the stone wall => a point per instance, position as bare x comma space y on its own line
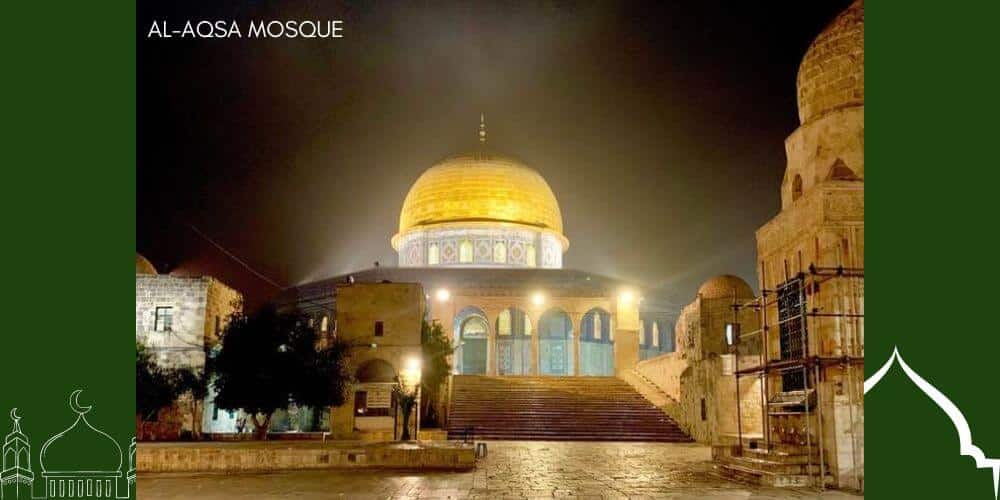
704, 396
699, 377
285, 455
400, 309
184, 344
200, 307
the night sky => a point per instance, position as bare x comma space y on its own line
660, 127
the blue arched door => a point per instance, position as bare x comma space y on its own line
554, 334
597, 354
513, 331
471, 332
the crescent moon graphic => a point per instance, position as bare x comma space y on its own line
13, 414
74, 403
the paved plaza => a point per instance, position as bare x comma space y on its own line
512, 470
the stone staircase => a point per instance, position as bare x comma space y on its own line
556, 408
781, 466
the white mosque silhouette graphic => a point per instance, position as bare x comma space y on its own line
64, 474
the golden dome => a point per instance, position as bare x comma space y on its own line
723, 287
477, 189
832, 73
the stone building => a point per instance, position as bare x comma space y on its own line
179, 320
697, 378
382, 323
483, 234
810, 352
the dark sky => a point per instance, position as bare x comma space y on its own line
659, 126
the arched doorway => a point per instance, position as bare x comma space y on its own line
514, 343
597, 354
555, 346
471, 333
374, 405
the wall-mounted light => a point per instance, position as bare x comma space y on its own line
626, 297
410, 375
413, 364
442, 295
538, 299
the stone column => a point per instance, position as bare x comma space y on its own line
534, 316
626, 326
577, 333
342, 418
491, 342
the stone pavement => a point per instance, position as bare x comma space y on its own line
512, 470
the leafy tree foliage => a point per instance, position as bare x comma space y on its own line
268, 360
436, 348
155, 388
194, 383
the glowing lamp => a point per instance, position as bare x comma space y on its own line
442, 295
410, 375
626, 297
538, 299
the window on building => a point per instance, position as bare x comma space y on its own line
797, 187
218, 326
704, 409
360, 403
164, 319
500, 252
656, 335
215, 413
465, 252
379, 328
433, 254
504, 323
324, 324
530, 255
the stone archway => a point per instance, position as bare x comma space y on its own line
513, 343
597, 353
472, 338
555, 336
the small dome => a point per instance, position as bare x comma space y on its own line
480, 188
143, 266
832, 73
723, 286
81, 447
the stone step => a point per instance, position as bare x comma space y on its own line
556, 408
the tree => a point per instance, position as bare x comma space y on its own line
194, 383
268, 360
407, 399
155, 388
436, 348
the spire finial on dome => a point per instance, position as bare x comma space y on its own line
482, 128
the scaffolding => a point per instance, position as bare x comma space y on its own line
789, 368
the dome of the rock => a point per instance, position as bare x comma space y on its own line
480, 210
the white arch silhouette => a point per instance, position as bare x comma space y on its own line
966, 448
